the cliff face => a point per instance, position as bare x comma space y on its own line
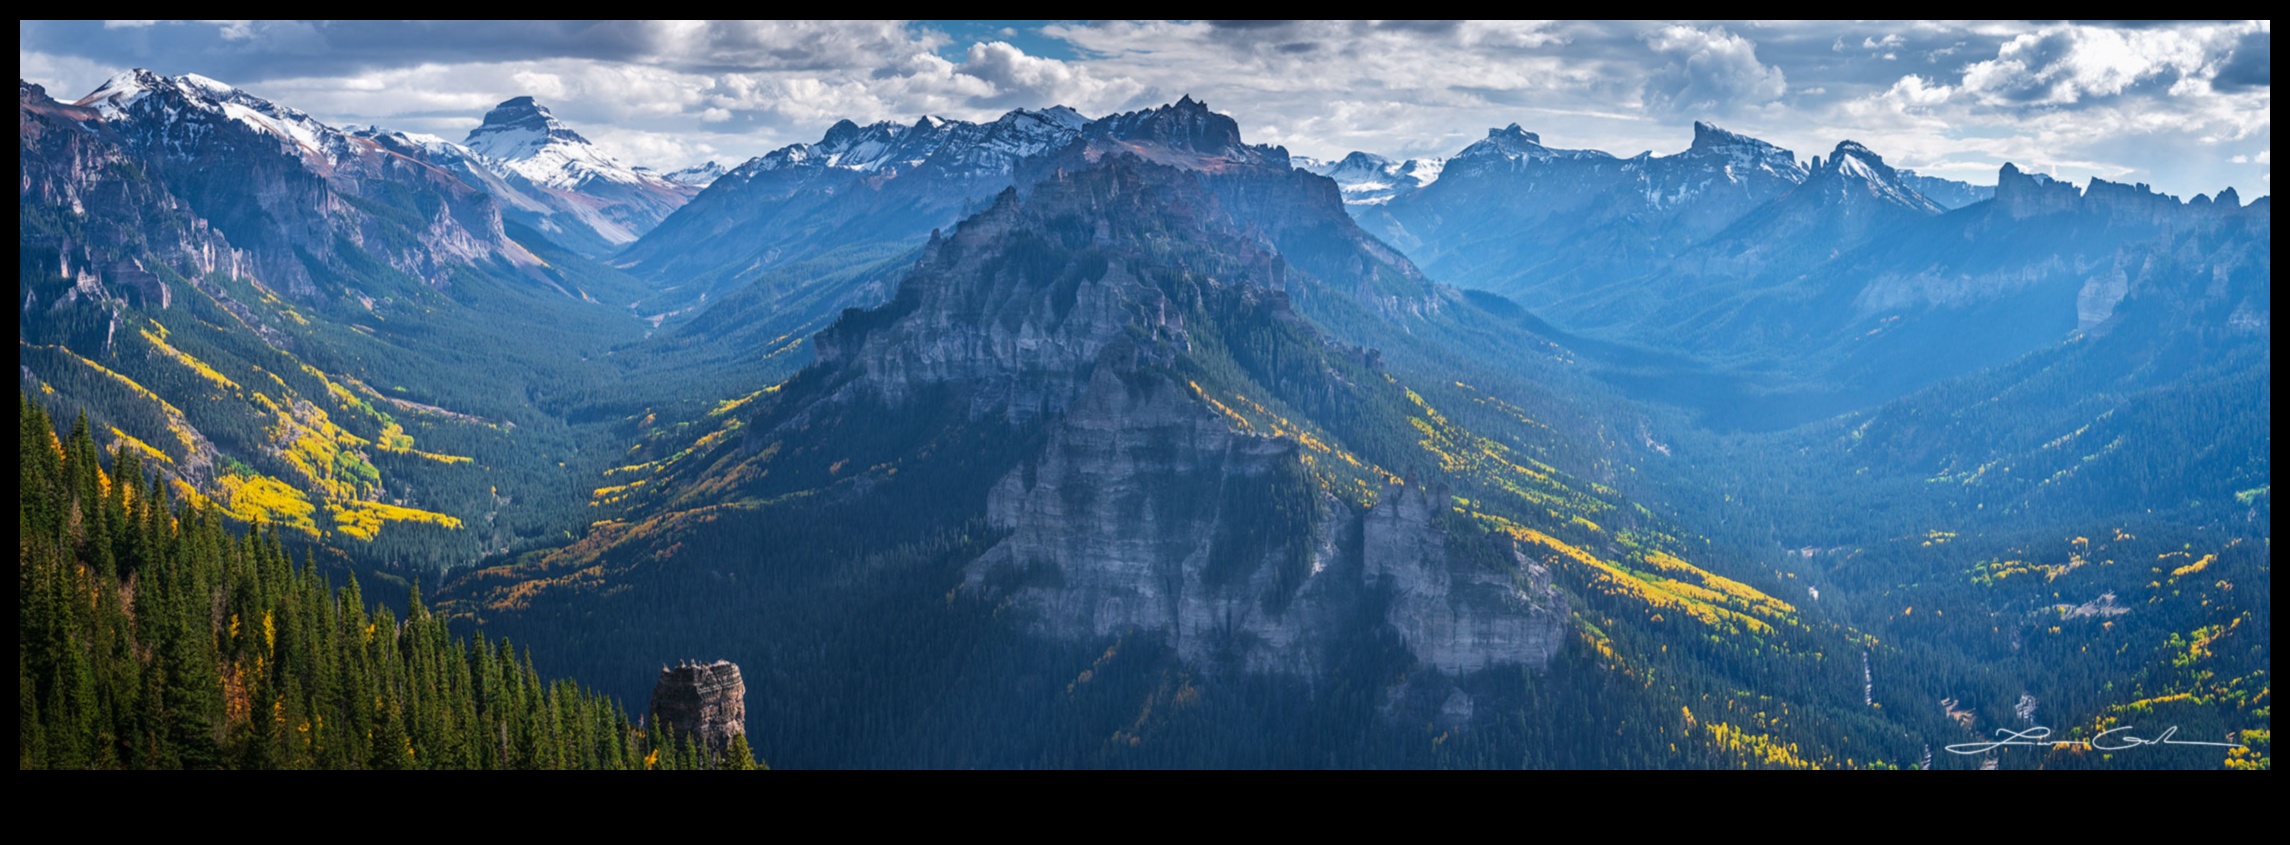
1147, 512
707, 700
1457, 611
1094, 309
2022, 195
96, 217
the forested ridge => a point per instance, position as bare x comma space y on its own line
155, 635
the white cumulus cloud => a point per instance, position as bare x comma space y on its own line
1709, 71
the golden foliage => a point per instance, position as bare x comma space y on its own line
255, 498
159, 342
1756, 748
119, 437
1337, 470
1712, 600
363, 520
729, 405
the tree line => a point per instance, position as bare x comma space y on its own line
152, 634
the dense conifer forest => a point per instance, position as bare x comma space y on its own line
158, 635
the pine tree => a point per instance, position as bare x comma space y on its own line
152, 635
739, 758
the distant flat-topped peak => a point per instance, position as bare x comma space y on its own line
1515, 144
524, 137
1708, 136
1184, 129
517, 128
1857, 150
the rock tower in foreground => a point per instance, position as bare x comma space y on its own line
708, 700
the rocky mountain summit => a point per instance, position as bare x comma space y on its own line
861, 187
547, 176
294, 195
1086, 311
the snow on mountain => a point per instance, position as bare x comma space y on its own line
849, 146
697, 176
1370, 179
1424, 170
130, 94
979, 149
893, 183
997, 147
292, 192
1730, 163
1517, 145
1741, 153
522, 135
465, 163
1852, 168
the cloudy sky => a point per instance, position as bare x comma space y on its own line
2184, 106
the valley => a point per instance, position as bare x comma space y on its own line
1051, 441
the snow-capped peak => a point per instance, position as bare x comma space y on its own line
522, 136
426, 140
1370, 179
698, 175
1707, 136
211, 87
122, 91
983, 149
437, 149
1059, 116
1517, 145
1741, 152
1859, 162
125, 97
1359, 165
1855, 168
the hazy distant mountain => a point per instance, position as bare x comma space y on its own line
1949, 193
1541, 224
1858, 292
1370, 179
698, 175
856, 188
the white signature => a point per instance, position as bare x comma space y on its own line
2112, 739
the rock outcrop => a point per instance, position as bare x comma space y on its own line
1142, 521
1097, 315
2024, 194
707, 700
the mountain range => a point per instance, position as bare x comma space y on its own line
1057, 441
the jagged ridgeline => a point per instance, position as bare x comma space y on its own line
1088, 492
151, 635
311, 328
